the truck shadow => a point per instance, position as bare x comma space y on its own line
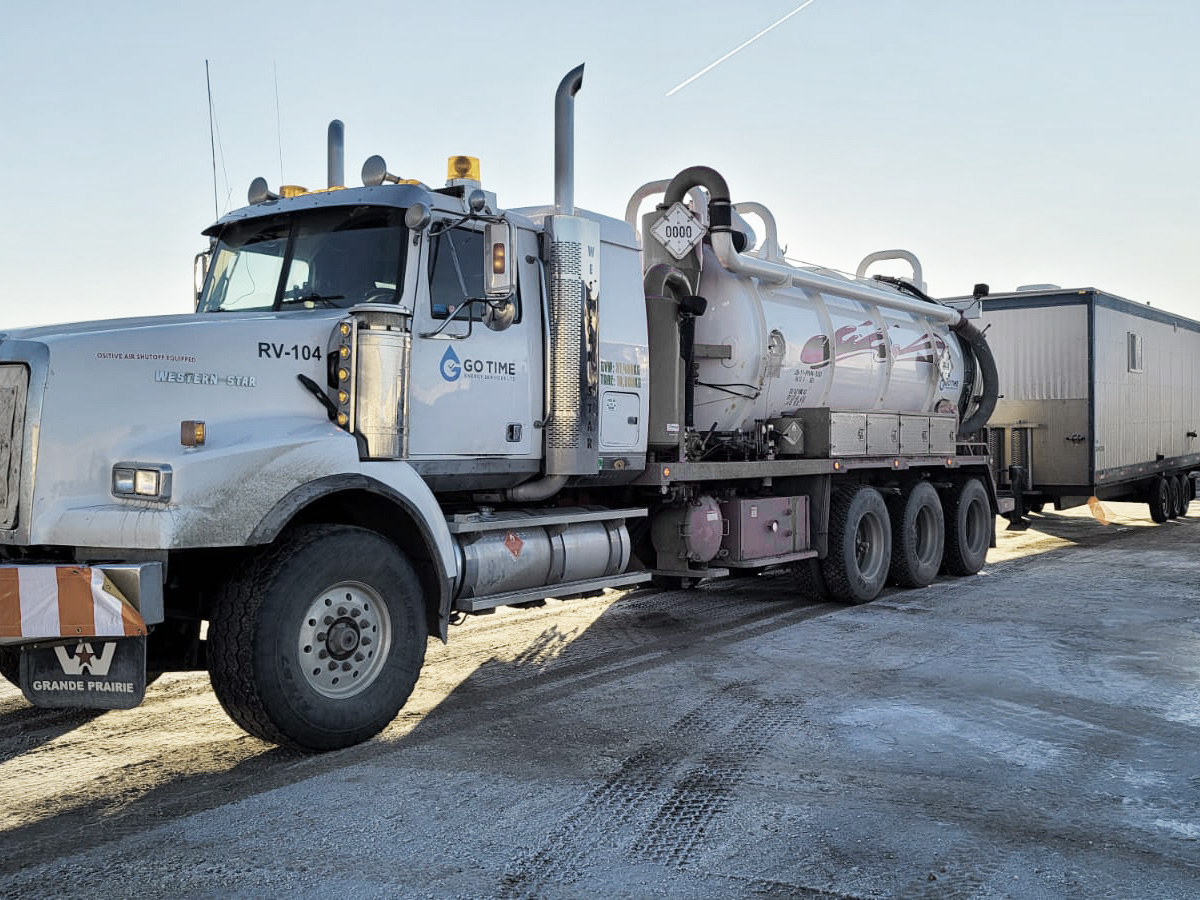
24, 728
634, 635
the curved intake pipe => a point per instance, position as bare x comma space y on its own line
991, 378
564, 141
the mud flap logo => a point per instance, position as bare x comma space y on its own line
93, 674
84, 659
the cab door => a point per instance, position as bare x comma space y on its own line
472, 390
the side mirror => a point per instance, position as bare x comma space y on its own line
499, 314
499, 272
199, 273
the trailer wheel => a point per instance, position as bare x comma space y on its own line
1175, 500
317, 641
969, 525
918, 536
10, 665
1159, 500
860, 545
1179, 482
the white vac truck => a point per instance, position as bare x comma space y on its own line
398, 405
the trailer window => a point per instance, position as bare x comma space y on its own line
1135, 352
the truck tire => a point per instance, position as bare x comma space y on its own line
1174, 501
1181, 491
10, 665
1159, 500
860, 545
810, 583
918, 536
317, 641
969, 524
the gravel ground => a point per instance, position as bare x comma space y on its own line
1028, 732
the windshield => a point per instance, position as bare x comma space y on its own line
316, 259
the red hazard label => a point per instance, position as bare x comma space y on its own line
514, 544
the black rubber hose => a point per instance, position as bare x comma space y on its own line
720, 214
991, 379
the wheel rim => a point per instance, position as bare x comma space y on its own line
868, 546
928, 541
344, 639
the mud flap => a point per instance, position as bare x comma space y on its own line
92, 673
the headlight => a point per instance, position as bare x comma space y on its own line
142, 481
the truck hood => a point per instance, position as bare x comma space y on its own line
53, 333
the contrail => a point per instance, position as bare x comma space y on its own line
712, 66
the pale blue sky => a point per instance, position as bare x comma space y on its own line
1006, 142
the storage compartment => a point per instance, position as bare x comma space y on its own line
764, 527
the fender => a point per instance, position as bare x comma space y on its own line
403, 489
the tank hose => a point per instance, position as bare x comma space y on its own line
720, 211
987, 366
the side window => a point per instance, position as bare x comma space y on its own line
456, 260
1135, 352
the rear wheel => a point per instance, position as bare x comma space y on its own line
318, 641
969, 524
860, 545
1159, 500
810, 583
1181, 491
918, 536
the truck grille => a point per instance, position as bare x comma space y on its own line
14, 384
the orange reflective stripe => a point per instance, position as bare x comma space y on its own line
132, 620
10, 604
75, 612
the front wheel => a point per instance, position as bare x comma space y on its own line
317, 642
860, 545
969, 524
10, 665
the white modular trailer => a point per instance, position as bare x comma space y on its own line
1099, 396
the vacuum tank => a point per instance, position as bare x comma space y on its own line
792, 347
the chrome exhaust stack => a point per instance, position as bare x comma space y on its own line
564, 142
337, 154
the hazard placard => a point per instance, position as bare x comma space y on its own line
678, 230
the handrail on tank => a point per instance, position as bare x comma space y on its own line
881, 255
649, 189
780, 273
769, 248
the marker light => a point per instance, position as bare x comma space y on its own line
344, 329
343, 374
191, 433
292, 190
498, 259
462, 167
